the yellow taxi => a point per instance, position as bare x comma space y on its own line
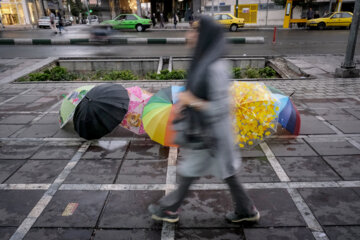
334, 19
229, 21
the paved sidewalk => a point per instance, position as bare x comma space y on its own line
55, 185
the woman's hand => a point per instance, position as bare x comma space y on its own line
188, 99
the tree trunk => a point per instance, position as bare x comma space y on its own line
138, 8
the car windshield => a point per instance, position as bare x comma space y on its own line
327, 15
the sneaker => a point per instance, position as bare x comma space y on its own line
160, 215
236, 218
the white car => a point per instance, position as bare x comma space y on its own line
44, 22
92, 19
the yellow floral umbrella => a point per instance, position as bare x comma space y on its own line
254, 113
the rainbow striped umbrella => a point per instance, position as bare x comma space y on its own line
288, 115
158, 115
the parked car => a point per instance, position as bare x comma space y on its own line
68, 22
229, 21
129, 21
44, 22
334, 19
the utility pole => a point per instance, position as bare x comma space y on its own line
348, 68
212, 8
138, 9
267, 12
236, 8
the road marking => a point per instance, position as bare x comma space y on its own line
168, 229
335, 129
29, 221
280, 172
12, 98
24, 186
197, 186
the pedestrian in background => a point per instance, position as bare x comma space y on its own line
162, 20
191, 18
204, 129
53, 22
61, 23
310, 14
153, 19
176, 20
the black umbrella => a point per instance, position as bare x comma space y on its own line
101, 110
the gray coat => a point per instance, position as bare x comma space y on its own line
224, 161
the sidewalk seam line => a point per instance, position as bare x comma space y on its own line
12, 98
168, 229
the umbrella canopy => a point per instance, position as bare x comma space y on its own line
70, 102
288, 115
254, 113
138, 99
101, 110
158, 115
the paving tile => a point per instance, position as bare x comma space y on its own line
6, 232
148, 151
149, 234
17, 151
307, 169
56, 152
38, 171
15, 205
319, 103
334, 148
49, 118
206, 209
343, 232
128, 209
345, 102
66, 132
94, 171
254, 169
8, 167
289, 233
25, 99
257, 170
348, 167
333, 206
336, 114
9, 129
18, 119
210, 234
85, 215
143, 171
39, 131
347, 126
254, 152
58, 234
354, 111
311, 125
12, 107
96, 152
290, 148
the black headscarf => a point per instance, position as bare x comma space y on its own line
209, 48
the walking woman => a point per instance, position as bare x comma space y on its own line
207, 137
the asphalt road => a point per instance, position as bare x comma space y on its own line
288, 42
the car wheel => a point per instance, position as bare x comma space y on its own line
233, 28
349, 27
321, 26
139, 28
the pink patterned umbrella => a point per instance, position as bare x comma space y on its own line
138, 99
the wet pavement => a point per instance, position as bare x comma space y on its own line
55, 185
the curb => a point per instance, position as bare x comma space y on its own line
118, 41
